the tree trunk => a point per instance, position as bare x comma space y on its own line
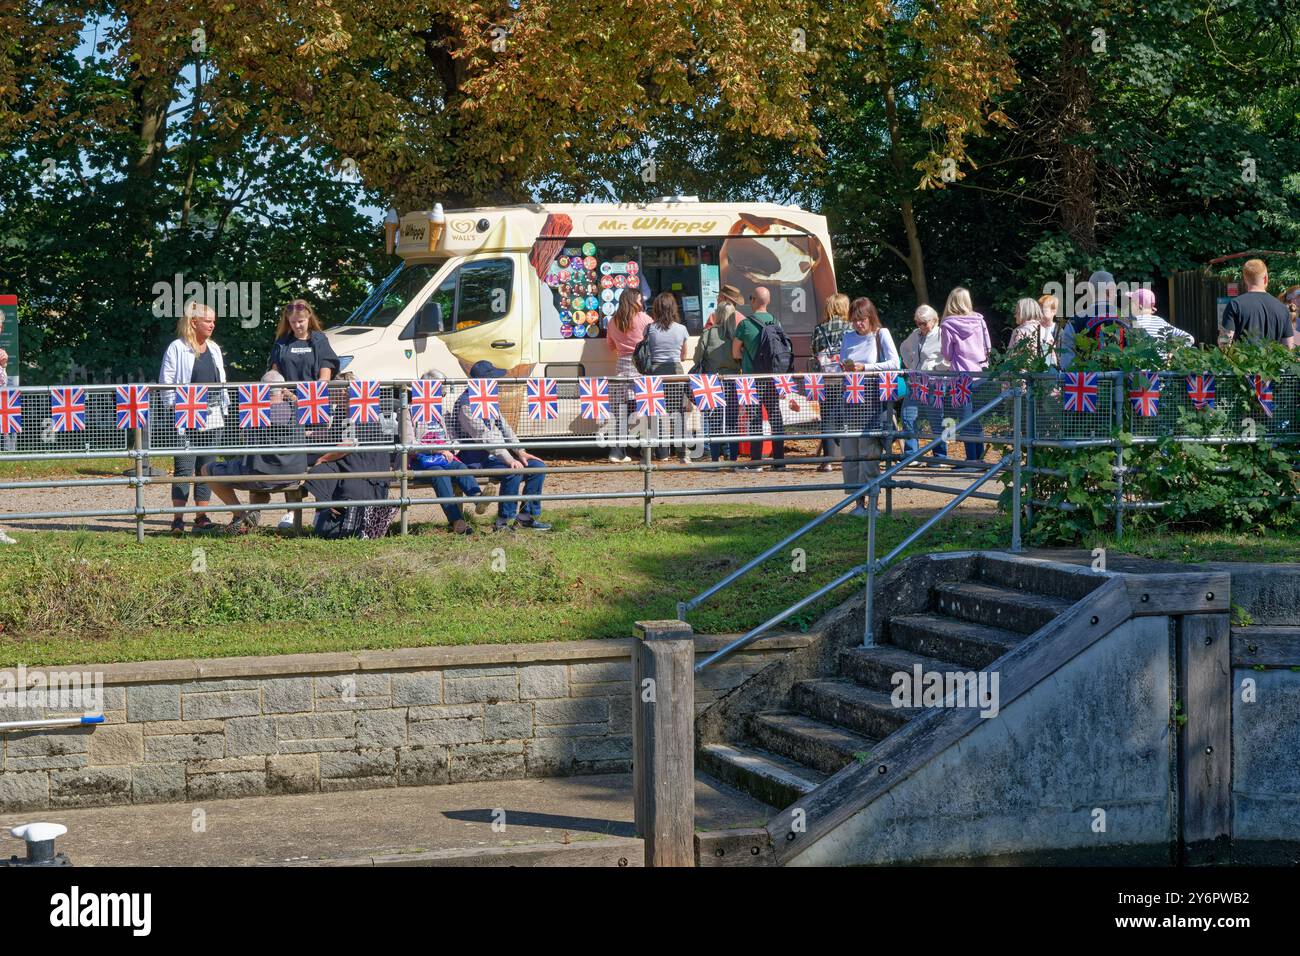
915, 256
1078, 159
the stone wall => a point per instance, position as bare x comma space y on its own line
235, 727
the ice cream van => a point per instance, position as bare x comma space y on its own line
531, 288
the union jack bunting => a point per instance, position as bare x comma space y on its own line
921, 389
746, 390
11, 411
785, 385
313, 403
482, 398
1081, 390
959, 390
191, 406
1263, 393
254, 406
542, 399
363, 403
814, 386
938, 391
707, 391
133, 406
426, 402
593, 398
855, 388
68, 409
889, 386
649, 395
1200, 390
1145, 396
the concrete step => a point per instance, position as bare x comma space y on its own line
875, 667
819, 745
993, 606
948, 639
1020, 574
851, 706
776, 780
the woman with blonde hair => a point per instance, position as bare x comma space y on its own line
194, 358
301, 352
827, 338
1031, 329
965, 346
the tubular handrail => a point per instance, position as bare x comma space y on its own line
685, 606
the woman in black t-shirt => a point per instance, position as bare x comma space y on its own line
301, 352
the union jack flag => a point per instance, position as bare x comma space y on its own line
855, 388
889, 386
648, 392
746, 390
482, 398
1200, 389
707, 391
814, 386
959, 390
921, 389
254, 406
68, 409
363, 403
313, 403
938, 391
1081, 390
191, 406
426, 401
133, 406
1264, 393
593, 398
11, 411
1145, 398
785, 385
542, 399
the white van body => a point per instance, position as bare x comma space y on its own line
496, 275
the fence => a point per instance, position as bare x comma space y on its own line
703, 417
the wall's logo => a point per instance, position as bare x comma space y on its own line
462, 227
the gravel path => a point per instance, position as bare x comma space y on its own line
796, 477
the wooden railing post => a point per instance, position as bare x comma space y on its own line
1205, 739
663, 741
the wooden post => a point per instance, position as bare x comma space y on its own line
1205, 739
663, 741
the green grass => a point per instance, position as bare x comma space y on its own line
1276, 547
68, 468
82, 597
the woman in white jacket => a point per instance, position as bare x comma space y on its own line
194, 359
920, 352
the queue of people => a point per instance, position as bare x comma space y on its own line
849, 337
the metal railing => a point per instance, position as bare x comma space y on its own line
872, 566
85, 422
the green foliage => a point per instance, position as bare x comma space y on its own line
1230, 477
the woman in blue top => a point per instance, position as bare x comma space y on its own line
868, 347
301, 352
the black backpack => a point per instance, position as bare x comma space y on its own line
774, 354
641, 355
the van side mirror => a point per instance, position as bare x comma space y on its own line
426, 322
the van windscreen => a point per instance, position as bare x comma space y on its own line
391, 296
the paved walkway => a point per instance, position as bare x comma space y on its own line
354, 827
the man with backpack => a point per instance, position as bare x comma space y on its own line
713, 355
763, 348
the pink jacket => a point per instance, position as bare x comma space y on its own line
964, 342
